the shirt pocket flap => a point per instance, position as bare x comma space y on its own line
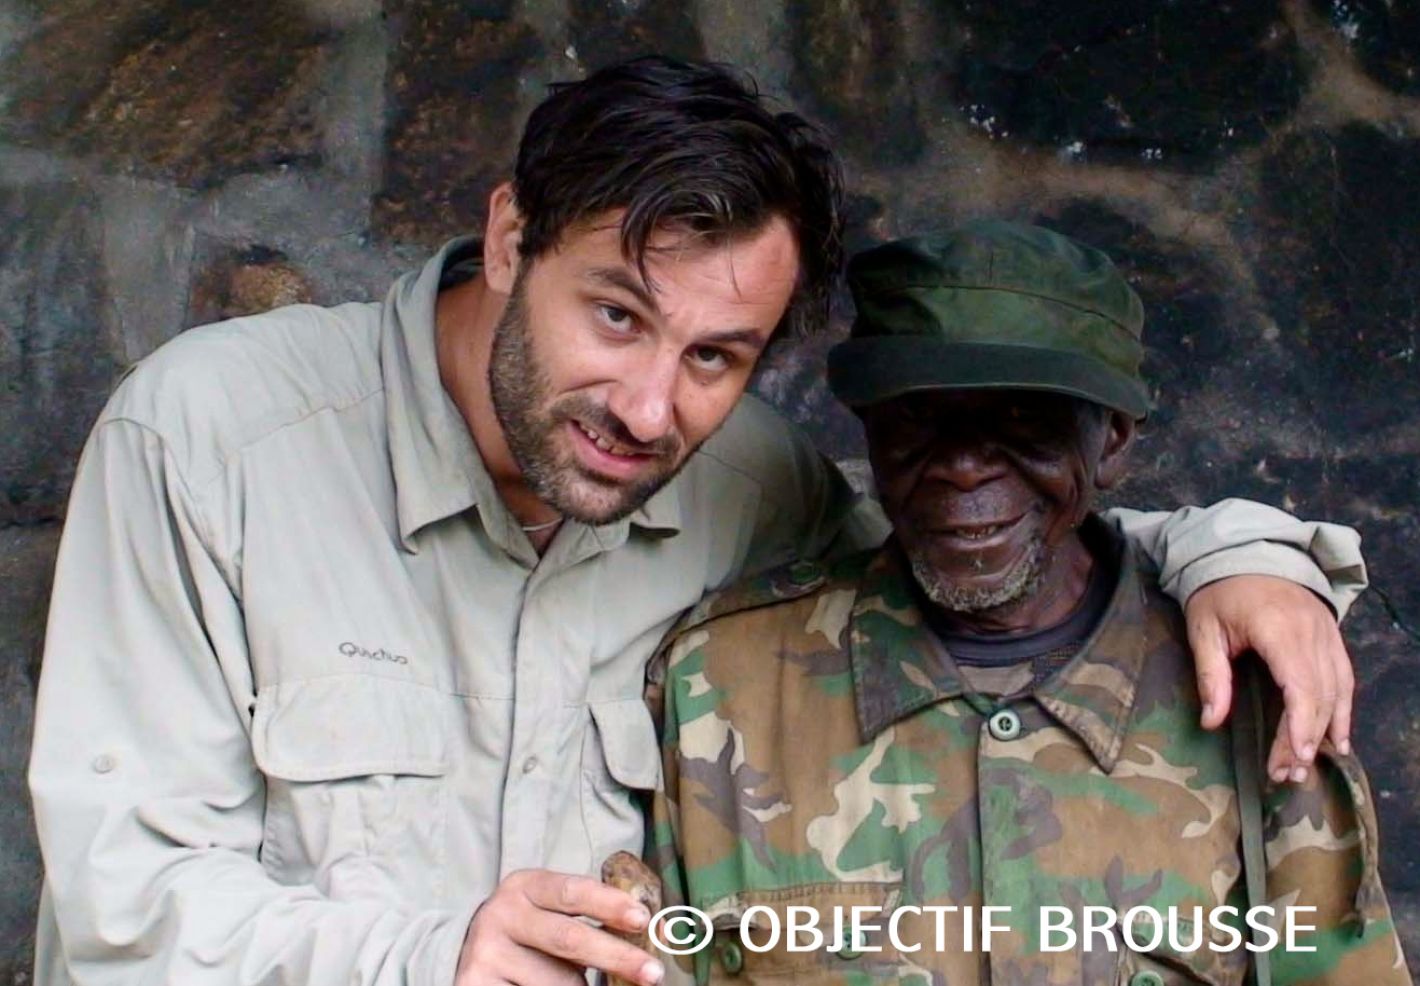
340, 726
628, 741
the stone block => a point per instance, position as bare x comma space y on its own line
1384, 34
455, 103
245, 282
1337, 245
194, 91
1182, 83
26, 567
57, 343
607, 31
848, 69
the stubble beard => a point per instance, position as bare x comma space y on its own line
1020, 583
531, 420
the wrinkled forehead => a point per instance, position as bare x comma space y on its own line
757, 264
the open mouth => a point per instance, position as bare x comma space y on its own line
976, 535
605, 455
604, 443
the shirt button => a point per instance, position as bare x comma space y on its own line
103, 763
731, 958
529, 765
1005, 725
1146, 978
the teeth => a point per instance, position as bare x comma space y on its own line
978, 533
602, 443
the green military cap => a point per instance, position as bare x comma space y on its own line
991, 305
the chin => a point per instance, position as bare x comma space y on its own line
979, 591
596, 502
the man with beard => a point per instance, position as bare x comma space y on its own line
343, 676
994, 708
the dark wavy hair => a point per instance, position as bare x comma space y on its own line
684, 146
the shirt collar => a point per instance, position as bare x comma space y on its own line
438, 470
899, 666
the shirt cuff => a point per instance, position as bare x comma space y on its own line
437, 962
1259, 558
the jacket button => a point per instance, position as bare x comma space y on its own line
1146, 978
1006, 725
732, 959
854, 949
803, 572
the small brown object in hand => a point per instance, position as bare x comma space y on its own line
626, 872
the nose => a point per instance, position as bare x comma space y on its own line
965, 464
644, 399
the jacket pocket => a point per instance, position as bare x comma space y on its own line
1213, 962
804, 933
621, 765
354, 768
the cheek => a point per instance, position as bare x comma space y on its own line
893, 479
1064, 483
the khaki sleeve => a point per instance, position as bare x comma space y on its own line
148, 804
1323, 853
808, 508
1194, 546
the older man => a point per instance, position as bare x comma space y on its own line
995, 709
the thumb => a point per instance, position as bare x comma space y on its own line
1214, 670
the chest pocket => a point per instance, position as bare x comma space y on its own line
355, 791
620, 766
827, 955
1165, 965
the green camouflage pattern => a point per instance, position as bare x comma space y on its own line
821, 748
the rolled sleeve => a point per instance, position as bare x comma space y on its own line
1194, 546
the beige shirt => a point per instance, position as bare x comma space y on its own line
309, 692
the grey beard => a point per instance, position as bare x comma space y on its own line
1021, 582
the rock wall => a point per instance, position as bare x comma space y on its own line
1253, 164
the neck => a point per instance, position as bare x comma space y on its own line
1064, 580
465, 318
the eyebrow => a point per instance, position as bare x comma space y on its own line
733, 337
618, 278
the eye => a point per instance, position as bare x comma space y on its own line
914, 410
616, 319
709, 358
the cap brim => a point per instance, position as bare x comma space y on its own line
871, 369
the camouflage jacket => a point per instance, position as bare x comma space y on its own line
820, 750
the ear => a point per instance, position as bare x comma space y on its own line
1118, 437
501, 239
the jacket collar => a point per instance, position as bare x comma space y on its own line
899, 665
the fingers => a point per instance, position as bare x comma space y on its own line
585, 897
1213, 668
573, 941
528, 968
1340, 731
1283, 764
533, 926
